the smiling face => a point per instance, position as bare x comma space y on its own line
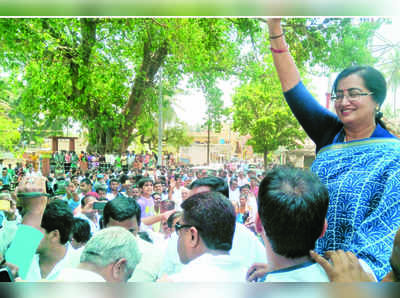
359, 113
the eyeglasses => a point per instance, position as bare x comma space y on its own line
353, 95
178, 226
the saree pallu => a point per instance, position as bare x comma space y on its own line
363, 180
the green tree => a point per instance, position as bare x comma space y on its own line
10, 136
102, 72
259, 110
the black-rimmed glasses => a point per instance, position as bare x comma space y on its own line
353, 95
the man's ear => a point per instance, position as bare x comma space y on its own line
324, 228
118, 270
194, 237
55, 236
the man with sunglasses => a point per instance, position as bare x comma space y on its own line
205, 232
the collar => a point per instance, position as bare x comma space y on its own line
292, 268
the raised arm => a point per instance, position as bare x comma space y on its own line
320, 124
284, 63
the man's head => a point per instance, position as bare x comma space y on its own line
85, 185
74, 180
146, 186
157, 199
57, 224
207, 224
253, 181
233, 183
114, 184
157, 187
133, 191
185, 193
173, 219
87, 205
245, 189
80, 233
71, 187
114, 252
292, 205
210, 183
122, 212
101, 190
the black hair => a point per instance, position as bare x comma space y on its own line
87, 181
374, 81
121, 209
292, 205
58, 216
81, 230
83, 201
145, 236
214, 183
214, 217
172, 217
168, 205
114, 180
123, 179
232, 180
245, 186
143, 181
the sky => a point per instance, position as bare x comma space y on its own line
191, 107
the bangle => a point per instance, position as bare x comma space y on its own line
277, 36
278, 51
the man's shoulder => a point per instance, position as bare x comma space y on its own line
305, 272
79, 275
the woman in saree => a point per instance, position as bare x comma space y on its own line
358, 159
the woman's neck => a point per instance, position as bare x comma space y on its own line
352, 134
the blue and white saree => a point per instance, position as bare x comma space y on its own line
363, 180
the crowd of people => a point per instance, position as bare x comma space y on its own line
125, 219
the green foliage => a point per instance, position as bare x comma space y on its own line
10, 136
102, 72
259, 110
334, 43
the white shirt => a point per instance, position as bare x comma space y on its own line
69, 261
243, 181
212, 268
246, 248
306, 272
79, 275
234, 195
149, 266
177, 198
94, 227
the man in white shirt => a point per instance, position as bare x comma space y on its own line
89, 213
234, 191
53, 252
292, 205
205, 232
125, 212
246, 247
110, 255
242, 179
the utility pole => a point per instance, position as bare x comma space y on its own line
160, 121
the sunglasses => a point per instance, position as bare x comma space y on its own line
178, 227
